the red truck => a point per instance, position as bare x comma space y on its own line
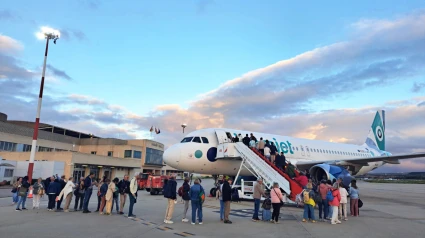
155, 184
143, 180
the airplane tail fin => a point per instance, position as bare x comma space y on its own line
376, 136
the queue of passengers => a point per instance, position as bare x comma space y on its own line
330, 198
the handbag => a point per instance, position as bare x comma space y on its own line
41, 191
360, 203
281, 202
22, 192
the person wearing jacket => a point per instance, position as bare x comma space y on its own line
186, 198
219, 196
16, 186
52, 191
343, 203
103, 190
302, 180
261, 145
273, 151
196, 201
22, 193
354, 199
62, 184
171, 194
79, 194
133, 193
123, 189
309, 204
246, 140
335, 204
226, 191
276, 196
109, 197
37, 188
116, 197
258, 192
67, 193
88, 187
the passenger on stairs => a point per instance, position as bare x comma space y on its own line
253, 138
240, 137
246, 140
302, 180
290, 170
267, 153
280, 161
273, 151
261, 145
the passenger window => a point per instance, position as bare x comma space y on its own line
197, 140
187, 139
205, 140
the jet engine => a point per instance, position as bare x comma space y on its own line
329, 172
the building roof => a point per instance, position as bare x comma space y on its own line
54, 129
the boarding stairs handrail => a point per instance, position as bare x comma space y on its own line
261, 168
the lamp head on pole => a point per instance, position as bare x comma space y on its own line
48, 33
184, 125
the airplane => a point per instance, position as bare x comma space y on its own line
198, 153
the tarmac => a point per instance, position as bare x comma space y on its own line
390, 210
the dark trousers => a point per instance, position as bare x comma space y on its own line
52, 198
261, 151
79, 198
256, 209
87, 195
323, 207
99, 201
58, 204
276, 211
132, 201
115, 201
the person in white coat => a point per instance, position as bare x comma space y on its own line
343, 203
67, 193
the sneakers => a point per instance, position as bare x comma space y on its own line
304, 220
86, 211
131, 216
200, 223
193, 223
313, 221
338, 222
254, 220
345, 219
228, 222
169, 222
23, 209
185, 220
121, 213
17, 209
66, 210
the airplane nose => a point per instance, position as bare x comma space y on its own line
172, 156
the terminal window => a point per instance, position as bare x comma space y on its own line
137, 154
110, 153
127, 154
93, 152
153, 156
7, 146
8, 173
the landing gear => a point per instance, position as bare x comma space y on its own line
213, 192
214, 189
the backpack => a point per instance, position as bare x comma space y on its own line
202, 195
306, 195
180, 191
329, 196
317, 197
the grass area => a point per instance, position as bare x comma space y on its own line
402, 181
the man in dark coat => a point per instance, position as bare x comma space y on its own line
280, 163
170, 192
186, 198
246, 140
227, 198
62, 185
53, 189
88, 186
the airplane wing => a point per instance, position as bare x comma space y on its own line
389, 159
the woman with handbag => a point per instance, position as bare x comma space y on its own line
277, 203
38, 192
16, 185
22, 193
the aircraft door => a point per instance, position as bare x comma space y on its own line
221, 136
302, 150
307, 150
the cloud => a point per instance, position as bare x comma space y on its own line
58, 72
8, 16
69, 34
9, 45
417, 87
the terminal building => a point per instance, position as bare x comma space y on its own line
71, 153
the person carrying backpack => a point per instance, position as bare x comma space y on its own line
307, 196
184, 194
197, 197
334, 198
267, 206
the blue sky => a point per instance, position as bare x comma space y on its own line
145, 55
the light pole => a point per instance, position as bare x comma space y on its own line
184, 126
48, 34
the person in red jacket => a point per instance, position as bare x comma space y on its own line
335, 204
302, 180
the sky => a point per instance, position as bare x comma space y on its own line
311, 69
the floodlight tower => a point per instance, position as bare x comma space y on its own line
48, 34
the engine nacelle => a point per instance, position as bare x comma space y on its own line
329, 172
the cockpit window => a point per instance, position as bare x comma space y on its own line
197, 140
187, 139
205, 140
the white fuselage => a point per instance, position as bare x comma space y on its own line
196, 157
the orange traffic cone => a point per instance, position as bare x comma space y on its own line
30, 194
